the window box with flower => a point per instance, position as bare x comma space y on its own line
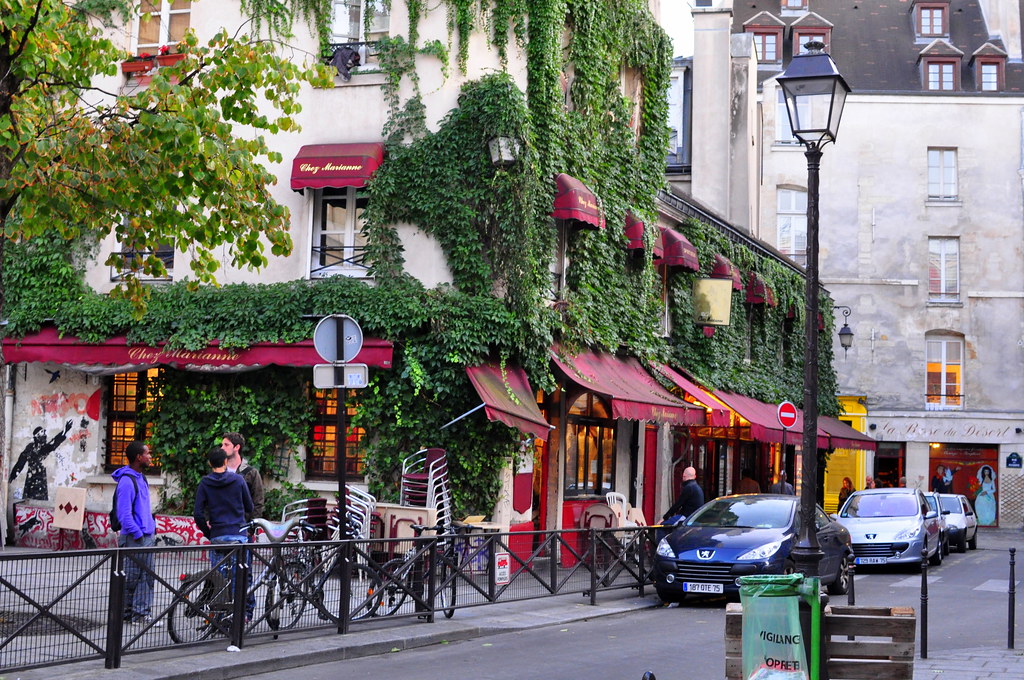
168, 56
140, 63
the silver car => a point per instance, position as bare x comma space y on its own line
892, 526
961, 524
935, 504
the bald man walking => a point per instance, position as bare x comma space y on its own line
691, 497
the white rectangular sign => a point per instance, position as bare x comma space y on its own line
354, 376
502, 568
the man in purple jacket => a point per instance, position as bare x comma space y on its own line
138, 530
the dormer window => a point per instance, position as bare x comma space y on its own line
803, 36
941, 74
989, 63
767, 31
794, 5
932, 20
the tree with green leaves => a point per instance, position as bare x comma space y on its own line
180, 162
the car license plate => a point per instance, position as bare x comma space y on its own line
870, 560
702, 587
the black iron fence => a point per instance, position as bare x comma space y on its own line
70, 606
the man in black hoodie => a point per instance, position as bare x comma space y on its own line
222, 502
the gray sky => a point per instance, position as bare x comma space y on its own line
675, 17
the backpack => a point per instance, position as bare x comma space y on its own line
115, 523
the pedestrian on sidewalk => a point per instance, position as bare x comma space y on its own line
782, 486
138, 530
233, 443
222, 502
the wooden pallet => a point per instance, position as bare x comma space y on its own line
863, 643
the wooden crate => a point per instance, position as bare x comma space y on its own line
881, 648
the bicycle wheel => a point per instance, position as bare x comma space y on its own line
394, 586
191, 617
447, 583
365, 593
292, 602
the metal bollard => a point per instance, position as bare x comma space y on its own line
851, 595
1012, 593
924, 600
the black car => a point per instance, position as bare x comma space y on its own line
741, 535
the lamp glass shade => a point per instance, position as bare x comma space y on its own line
846, 336
815, 94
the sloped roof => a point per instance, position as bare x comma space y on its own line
875, 46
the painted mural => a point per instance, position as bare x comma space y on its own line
971, 471
34, 529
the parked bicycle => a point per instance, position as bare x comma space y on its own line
410, 577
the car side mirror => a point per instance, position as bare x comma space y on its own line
931, 515
834, 516
945, 512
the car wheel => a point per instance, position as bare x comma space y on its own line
945, 545
973, 543
668, 597
841, 585
961, 543
936, 559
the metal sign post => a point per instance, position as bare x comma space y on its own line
338, 339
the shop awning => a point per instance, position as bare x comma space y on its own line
764, 421
842, 436
574, 201
116, 355
322, 166
633, 393
508, 398
759, 292
718, 413
634, 232
677, 251
724, 269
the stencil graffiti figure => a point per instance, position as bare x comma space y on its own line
33, 456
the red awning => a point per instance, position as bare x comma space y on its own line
759, 292
677, 251
842, 436
321, 166
633, 393
719, 414
764, 421
724, 269
634, 232
574, 201
508, 398
116, 355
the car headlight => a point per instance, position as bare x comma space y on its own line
761, 553
908, 534
665, 550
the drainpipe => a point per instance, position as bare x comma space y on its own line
5, 454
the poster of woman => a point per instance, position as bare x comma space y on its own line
985, 499
971, 471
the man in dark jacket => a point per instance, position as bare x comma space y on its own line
222, 502
691, 497
232, 443
138, 530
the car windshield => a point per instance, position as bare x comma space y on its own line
952, 504
880, 505
745, 512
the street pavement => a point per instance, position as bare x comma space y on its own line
300, 649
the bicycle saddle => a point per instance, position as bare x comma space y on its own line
276, 532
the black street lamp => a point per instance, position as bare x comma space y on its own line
845, 333
815, 94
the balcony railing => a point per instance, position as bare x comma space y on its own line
126, 256
944, 402
335, 260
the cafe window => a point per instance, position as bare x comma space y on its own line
126, 396
161, 22
589, 448
944, 372
339, 245
322, 454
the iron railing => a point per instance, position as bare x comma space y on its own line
67, 606
331, 260
126, 256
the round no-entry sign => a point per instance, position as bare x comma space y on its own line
787, 414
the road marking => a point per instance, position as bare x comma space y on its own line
995, 586
914, 581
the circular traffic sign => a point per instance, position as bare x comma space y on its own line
787, 414
338, 338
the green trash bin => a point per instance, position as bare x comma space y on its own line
773, 643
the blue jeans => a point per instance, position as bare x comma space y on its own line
138, 581
227, 567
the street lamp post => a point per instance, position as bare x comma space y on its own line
815, 93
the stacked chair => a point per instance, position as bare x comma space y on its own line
425, 483
361, 514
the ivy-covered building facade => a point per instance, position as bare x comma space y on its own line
481, 189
